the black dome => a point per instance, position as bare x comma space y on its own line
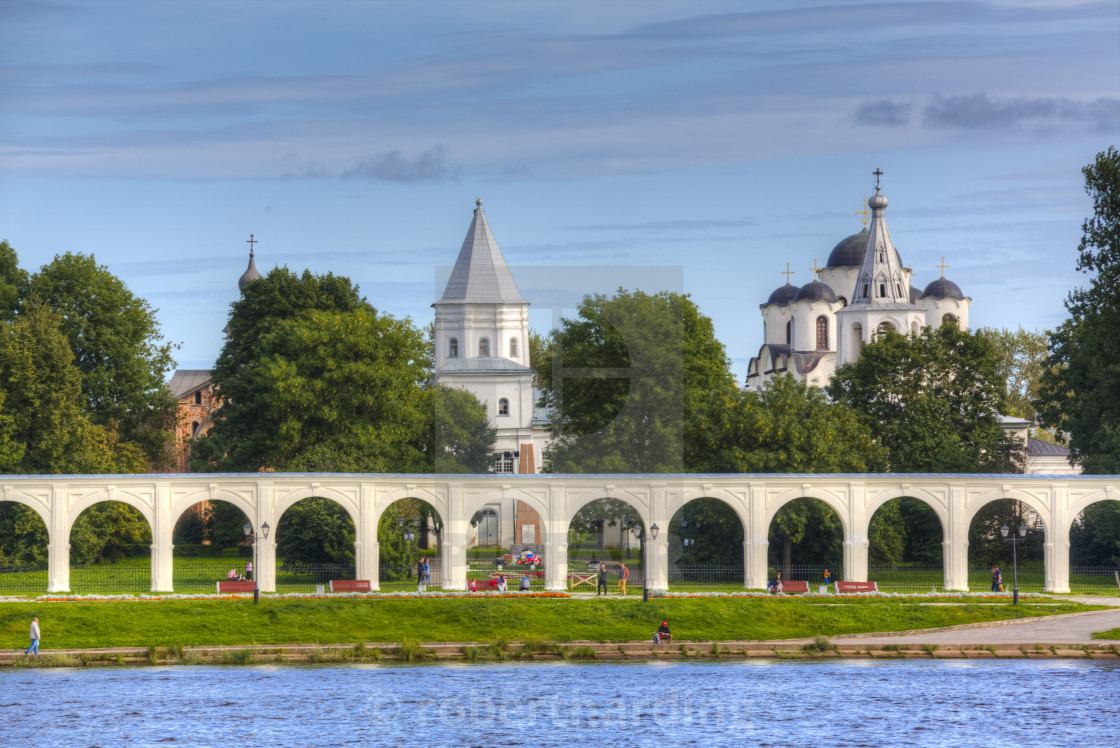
942, 288
783, 295
849, 251
915, 295
816, 291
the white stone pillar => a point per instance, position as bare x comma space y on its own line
365, 538
555, 524
954, 546
264, 566
756, 543
454, 541
58, 549
163, 562
1056, 559
856, 543
657, 550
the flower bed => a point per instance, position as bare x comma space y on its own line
897, 595
297, 595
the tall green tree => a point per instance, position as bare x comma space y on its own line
313, 531
1080, 391
13, 282
1095, 537
932, 399
461, 439
118, 349
1020, 359
626, 379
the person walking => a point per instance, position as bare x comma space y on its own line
420, 583
427, 573
34, 648
826, 578
997, 579
602, 580
623, 577
248, 571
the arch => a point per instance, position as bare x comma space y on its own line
194, 429
99, 496
346, 501
484, 347
478, 501
600, 532
822, 333
817, 545
488, 528
407, 531
513, 347
704, 542
453, 348
906, 543
775, 504
209, 545
987, 547
503, 406
948, 319
25, 547
883, 328
36, 504
102, 532
182, 503
914, 329
1094, 547
312, 545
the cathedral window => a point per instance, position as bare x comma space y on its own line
865, 290
198, 398
822, 333
453, 348
898, 289
882, 290
949, 319
484, 347
513, 347
789, 333
882, 329
194, 429
503, 407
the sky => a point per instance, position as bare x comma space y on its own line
698, 146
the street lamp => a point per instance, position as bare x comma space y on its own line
640, 534
247, 528
1014, 559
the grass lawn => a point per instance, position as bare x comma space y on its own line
326, 621
1110, 634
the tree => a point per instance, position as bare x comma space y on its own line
787, 427
117, 348
1095, 536
315, 530
1020, 357
13, 282
462, 440
932, 399
1080, 389
626, 380
23, 535
105, 531
714, 532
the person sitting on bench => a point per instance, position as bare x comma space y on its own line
663, 636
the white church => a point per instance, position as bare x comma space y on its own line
864, 290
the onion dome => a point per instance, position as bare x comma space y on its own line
251, 274
849, 252
783, 295
915, 295
943, 288
816, 291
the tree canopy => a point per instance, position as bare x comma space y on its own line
626, 380
932, 399
1080, 390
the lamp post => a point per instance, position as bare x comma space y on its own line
640, 534
1014, 559
248, 529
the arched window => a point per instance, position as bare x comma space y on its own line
822, 333
453, 348
487, 528
198, 398
865, 290
898, 288
789, 333
857, 340
882, 290
503, 407
484, 347
194, 429
914, 328
513, 347
949, 319
882, 329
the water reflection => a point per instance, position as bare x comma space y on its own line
773, 703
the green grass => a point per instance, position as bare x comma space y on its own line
173, 623
1110, 634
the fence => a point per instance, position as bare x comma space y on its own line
704, 578
402, 577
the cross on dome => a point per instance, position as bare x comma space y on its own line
787, 272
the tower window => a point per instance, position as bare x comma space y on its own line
789, 333
898, 288
194, 429
948, 319
453, 348
513, 347
865, 290
822, 333
484, 347
883, 327
882, 290
503, 407
198, 398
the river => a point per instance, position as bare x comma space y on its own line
538, 705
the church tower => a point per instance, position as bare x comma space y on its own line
482, 345
881, 299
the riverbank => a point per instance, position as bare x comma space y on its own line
180, 624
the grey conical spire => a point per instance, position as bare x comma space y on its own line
881, 282
251, 273
480, 274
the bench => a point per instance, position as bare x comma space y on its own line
226, 586
795, 588
350, 585
842, 587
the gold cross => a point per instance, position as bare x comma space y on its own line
864, 213
816, 270
943, 266
787, 273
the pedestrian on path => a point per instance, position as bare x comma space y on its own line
34, 648
826, 577
997, 579
623, 577
248, 571
602, 580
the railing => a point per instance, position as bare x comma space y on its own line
814, 575
928, 577
301, 577
128, 576
701, 578
23, 580
402, 577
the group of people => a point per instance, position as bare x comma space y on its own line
501, 584
233, 575
623, 578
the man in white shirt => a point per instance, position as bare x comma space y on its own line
34, 648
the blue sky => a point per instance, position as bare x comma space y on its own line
703, 144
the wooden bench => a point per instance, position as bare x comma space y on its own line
350, 585
842, 587
795, 588
227, 586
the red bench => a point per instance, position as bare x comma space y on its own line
795, 588
842, 587
350, 585
227, 586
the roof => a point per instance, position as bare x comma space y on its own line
942, 288
816, 291
480, 275
484, 363
185, 381
879, 285
251, 273
783, 295
849, 251
1039, 448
